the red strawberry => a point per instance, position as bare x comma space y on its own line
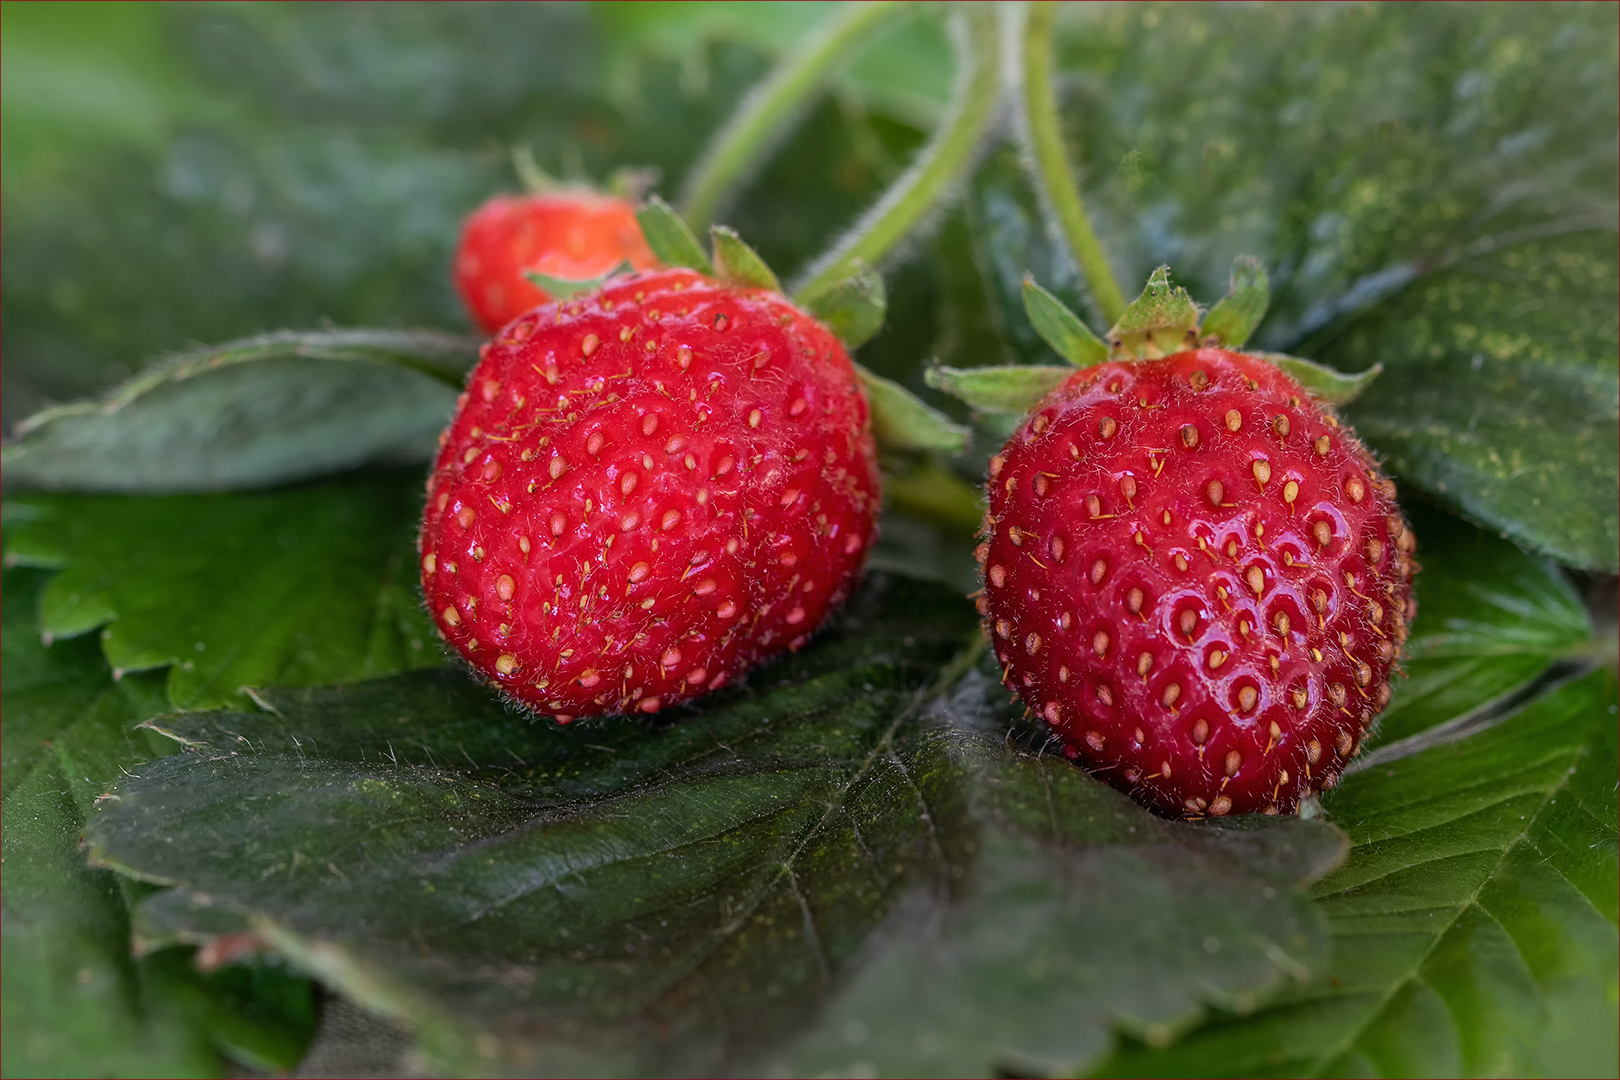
646, 491
568, 233
1199, 578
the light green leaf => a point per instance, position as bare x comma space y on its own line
1490, 620
251, 413
1333, 387
1162, 321
670, 238
564, 288
1061, 328
903, 421
1479, 899
1234, 316
291, 587
1012, 389
739, 264
74, 999
1501, 392
854, 308
46, 689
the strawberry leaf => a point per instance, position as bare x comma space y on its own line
250, 413
1477, 905
1501, 393
739, 264
295, 586
708, 878
1005, 237
1061, 328
853, 308
1490, 620
88, 1007
903, 421
1234, 316
1011, 389
670, 238
1044, 949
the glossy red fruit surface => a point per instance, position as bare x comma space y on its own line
1199, 578
645, 492
573, 234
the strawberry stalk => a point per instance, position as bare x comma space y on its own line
918, 190
774, 104
1053, 172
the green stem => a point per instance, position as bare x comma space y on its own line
909, 198
770, 106
1052, 163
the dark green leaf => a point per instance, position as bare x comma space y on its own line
1234, 316
739, 264
929, 490
853, 309
291, 587
563, 288
1012, 238
1081, 914
72, 997
702, 873
707, 878
1347, 148
251, 413
1061, 328
1006, 389
1490, 619
1479, 901
1163, 320
1333, 387
1500, 394
670, 238
909, 546
901, 421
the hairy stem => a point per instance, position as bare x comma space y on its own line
772, 105
918, 189
1056, 175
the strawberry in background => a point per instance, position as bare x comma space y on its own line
566, 231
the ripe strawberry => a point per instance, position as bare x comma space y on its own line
566, 233
646, 491
1198, 578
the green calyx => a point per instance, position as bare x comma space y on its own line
565, 288
852, 307
738, 264
1234, 317
1160, 322
670, 239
